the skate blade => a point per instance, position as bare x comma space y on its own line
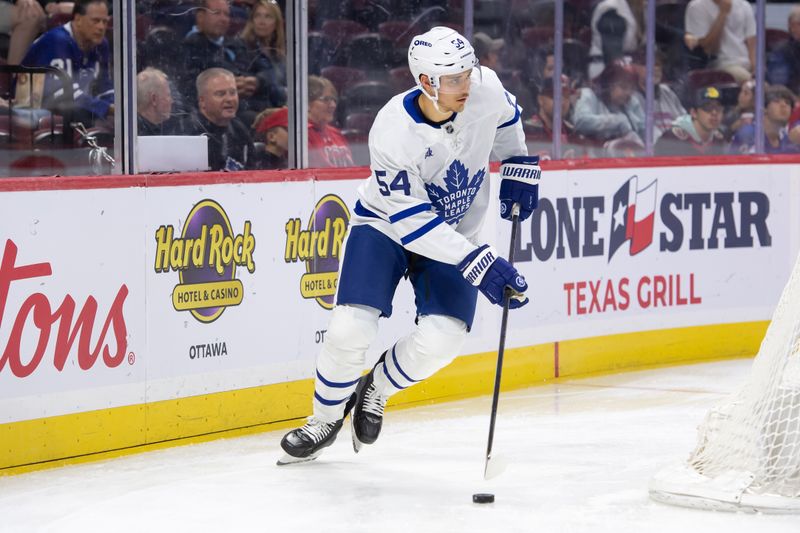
292, 460
357, 444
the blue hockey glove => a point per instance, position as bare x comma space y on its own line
485, 269
520, 185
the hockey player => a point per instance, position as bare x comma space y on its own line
419, 215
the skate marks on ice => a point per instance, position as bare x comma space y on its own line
580, 458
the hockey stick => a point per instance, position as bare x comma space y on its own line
496, 465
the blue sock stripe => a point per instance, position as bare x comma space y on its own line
323, 401
397, 366
389, 377
336, 385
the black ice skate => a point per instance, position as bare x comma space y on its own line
367, 416
307, 443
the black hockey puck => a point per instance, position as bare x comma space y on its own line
483, 497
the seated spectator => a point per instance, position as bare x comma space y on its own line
326, 145
488, 50
229, 144
698, 132
725, 29
794, 125
666, 104
79, 48
206, 46
539, 128
609, 110
743, 112
264, 43
154, 104
617, 32
273, 127
778, 101
22, 22
783, 64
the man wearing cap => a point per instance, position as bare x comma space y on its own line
778, 101
539, 128
696, 133
273, 128
488, 50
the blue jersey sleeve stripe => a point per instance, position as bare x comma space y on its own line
512, 121
411, 211
416, 234
334, 384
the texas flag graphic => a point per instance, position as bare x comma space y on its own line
633, 216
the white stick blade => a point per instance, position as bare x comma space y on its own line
494, 467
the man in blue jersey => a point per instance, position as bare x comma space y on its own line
419, 215
80, 49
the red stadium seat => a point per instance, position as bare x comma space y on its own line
340, 32
704, 77
774, 38
397, 31
359, 122
538, 36
343, 77
401, 79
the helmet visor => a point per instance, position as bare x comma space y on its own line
459, 83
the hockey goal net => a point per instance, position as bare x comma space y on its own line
748, 451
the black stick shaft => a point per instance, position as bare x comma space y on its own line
501, 347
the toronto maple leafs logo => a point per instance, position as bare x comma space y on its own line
453, 202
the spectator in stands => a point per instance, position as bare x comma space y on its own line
794, 125
79, 48
488, 51
22, 22
273, 127
539, 128
229, 144
743, 112
206, 46
725, 29
778, 101
326, 145
264, 43
154, 104
783, 64
698, 132
666, 104
608, 110
617, 32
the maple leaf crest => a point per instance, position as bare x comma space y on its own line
456, 180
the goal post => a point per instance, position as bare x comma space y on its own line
747, 456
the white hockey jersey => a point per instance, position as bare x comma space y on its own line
429, 187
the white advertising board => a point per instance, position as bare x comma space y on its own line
72, 302
620, 250
209, 288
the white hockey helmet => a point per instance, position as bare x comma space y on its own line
440, 51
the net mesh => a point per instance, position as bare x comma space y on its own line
757, 431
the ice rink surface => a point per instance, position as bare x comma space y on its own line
580, 455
